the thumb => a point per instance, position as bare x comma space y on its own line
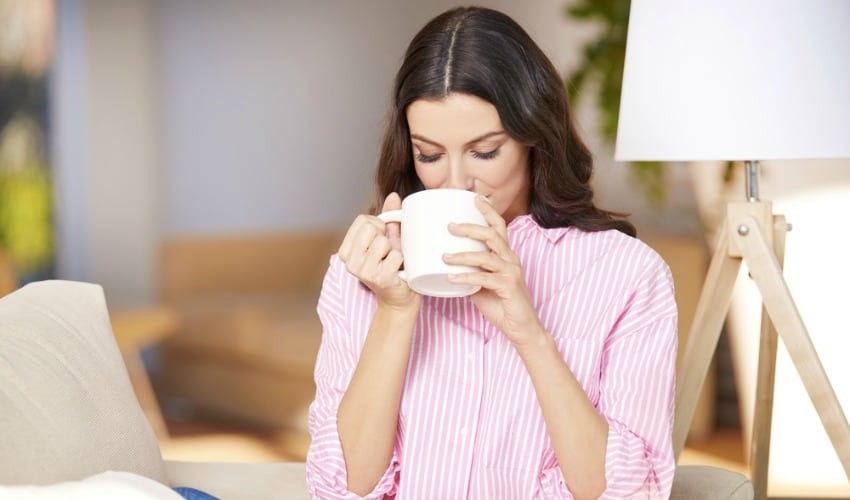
393, 202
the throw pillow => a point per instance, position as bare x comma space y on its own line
67, 409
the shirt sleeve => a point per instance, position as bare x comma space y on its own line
638, 389
639, 461
335, 364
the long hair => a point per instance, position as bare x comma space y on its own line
485, 53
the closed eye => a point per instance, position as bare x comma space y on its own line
428, 158
489, 155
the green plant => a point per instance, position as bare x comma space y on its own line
26, 194
26, 225
26, 207
601, 70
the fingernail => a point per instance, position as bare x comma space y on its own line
484, 198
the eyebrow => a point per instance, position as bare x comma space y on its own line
473, 141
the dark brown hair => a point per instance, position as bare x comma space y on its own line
485, 53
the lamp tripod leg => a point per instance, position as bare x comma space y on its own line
767, 274
702, 339
765, 381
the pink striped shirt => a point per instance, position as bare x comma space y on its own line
470, 425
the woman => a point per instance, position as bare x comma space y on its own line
556, 379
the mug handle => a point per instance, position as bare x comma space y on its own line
394, 216
390, 216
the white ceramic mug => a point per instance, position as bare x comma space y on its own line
425, 237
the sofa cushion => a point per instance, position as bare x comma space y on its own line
694, 482
107, 485
67, 409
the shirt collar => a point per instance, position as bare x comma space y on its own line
523, 225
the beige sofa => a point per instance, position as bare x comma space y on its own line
71, 427
68, 413
249, 329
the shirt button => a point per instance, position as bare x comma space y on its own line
463, 431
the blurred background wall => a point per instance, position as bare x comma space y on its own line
178, 117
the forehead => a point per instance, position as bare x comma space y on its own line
457, 117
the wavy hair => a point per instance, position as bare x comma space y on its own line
485, 53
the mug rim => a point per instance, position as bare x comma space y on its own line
443, 190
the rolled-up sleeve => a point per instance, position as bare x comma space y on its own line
638, 391
335, 364
637, 402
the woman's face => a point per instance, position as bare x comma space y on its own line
459, 142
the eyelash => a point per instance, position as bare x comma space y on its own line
489, 155
427, 158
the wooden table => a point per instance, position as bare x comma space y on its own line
136, 329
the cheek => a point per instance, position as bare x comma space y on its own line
505, 174
430, 176
495, 177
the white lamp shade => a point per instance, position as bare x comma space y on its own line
736, 80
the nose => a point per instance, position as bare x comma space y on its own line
459, 175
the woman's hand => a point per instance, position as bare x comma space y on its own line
504, 298
371, 251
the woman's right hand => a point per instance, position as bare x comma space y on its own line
371, 251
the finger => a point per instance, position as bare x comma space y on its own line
494, 241
483, 260
504, 283
393, 262
485, 280
375, 269
354, 230
393, 202
492, 217
359, 238
378, 248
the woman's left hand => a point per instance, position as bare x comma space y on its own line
504, 298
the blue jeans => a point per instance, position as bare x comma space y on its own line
193, 494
